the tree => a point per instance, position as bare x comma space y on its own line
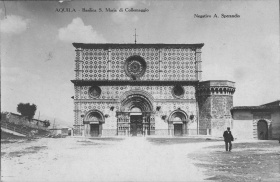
27, 110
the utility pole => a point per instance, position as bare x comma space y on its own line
53, 123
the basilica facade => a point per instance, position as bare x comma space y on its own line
147, 89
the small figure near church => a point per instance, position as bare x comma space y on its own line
228, 138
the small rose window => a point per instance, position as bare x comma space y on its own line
178, 91
94, 92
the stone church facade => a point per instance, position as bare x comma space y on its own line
147, 89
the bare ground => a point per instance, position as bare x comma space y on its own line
100, 159
248, 161
138, 159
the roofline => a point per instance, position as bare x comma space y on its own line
58, 128
26, 117
270, 103
112, 45
216, 81
254, 108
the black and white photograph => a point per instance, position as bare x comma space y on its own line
148, 90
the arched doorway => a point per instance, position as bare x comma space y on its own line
262, 129
93, 123
136, 121
134, 117
178, 122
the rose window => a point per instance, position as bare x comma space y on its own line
178, 91
135, 66
94, 92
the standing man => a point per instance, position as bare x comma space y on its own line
228, 138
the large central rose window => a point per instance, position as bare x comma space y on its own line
135, 67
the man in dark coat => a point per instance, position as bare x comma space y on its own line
228, 138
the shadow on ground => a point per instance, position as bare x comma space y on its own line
173, 141
258, 161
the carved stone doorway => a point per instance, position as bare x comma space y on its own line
178, 129
94, 130
136, 125
134, 117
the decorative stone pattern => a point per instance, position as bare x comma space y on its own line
163, 64
78, 64
106, 74
178, 64
167, 107
114, 92
151, 56
94, 92
104, 107
94, 65
101, 106
178, 91
135, 67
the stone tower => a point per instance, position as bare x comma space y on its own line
215, 99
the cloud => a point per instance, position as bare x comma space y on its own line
124, 17
147, 3
127, 4
77, 31
121, 17
13, 24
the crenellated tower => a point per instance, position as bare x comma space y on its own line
215, 99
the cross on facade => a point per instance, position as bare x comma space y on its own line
135, 36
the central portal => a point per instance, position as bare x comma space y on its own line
136, 125
135, 117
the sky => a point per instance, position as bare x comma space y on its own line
37, 55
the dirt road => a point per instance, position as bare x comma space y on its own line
111, 159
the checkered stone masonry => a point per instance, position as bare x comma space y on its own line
162, 64
105, 64
78, 64
94, 64
178, 64
151, 56
114, 92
